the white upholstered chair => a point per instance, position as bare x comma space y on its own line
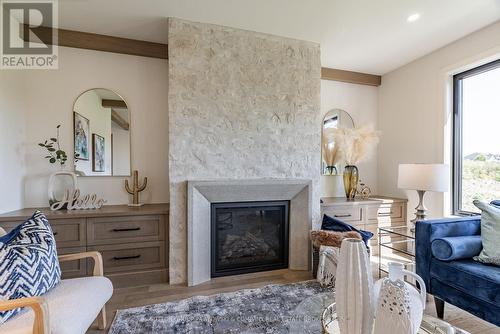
69, 308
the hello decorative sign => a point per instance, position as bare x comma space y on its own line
72, 201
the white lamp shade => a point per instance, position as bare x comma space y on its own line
428, 177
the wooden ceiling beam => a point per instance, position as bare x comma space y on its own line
350, 77
117, 104
91, 41
115, 117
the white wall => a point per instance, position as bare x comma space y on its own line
412, 115
48, 97
12, 132
121, 150
361, 102
415, 109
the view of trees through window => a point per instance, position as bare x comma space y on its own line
479, 154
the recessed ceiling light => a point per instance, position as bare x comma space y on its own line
413, 17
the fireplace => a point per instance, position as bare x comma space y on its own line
248, 237
202, 194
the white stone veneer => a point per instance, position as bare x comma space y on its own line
242, 105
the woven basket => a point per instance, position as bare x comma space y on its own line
316, 260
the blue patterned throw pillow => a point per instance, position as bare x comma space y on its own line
28, 262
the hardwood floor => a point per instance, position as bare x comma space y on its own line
160, 293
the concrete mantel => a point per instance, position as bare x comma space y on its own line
201, 194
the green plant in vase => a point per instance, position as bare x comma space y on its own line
354, 145
54, 151
61, 180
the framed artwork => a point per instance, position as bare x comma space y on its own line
81, 128
98, 153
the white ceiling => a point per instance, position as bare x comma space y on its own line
370, 36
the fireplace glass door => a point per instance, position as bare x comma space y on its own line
249, 237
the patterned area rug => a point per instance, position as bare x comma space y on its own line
270, 309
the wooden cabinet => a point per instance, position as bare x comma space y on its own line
70, 232
132, 241
132, 256
367, 214
351, 214
111, 230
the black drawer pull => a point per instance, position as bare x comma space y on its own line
55, 233
126, 257
342, 216
385, 214
126, 229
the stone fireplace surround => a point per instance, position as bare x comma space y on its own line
242, 106
201, 194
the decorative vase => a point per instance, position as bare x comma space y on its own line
351, 177
330, 170
400, 306
60, 182
354, 284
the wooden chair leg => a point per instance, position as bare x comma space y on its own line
101, 319
439, 307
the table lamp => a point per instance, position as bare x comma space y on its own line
422, 178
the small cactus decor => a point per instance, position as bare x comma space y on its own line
136, 188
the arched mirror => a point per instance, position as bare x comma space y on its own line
335, 118
101, 130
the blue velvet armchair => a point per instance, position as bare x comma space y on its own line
465, 283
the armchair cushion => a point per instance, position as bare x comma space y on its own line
73, 305
28, 261
456, 248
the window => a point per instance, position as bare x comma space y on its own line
476, 137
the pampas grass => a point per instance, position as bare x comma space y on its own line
355, 145
330, 149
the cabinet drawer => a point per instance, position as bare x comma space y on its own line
72, 269
386, 211
127, 257
67, 232
105, 231
345, 213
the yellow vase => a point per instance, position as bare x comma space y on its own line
351, 177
